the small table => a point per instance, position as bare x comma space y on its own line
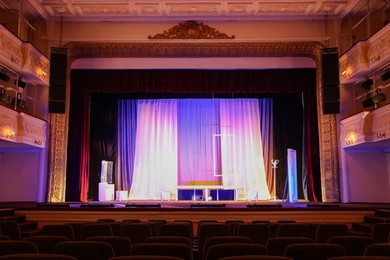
206, 189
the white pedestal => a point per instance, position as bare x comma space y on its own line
121, 195
106, 191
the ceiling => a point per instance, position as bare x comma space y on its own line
166, 10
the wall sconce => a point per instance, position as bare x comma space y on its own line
367, 83
10, 135
4, 76
385, 76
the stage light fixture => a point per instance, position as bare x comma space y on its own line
368, 102
379, 97
20, 83
385, 76
3, 76
367, 83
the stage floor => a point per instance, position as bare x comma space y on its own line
273, 211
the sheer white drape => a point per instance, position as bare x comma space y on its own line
241, 146
156, 160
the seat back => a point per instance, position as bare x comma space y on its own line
218, 251
121, 245
223, 240
59, 230
39, 256
169, 239
256, 257
317, 251
136, 232
10, 229
95, 229
146, 257
360, 258
163, 249
380, 249
47, 243
293, 230
354, 245
209, 229
17, 246
183, 229
257, 232
277, 245
85, 250
325, 231
380, 232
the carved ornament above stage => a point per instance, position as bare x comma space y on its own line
22, 128
368, 127
191, 30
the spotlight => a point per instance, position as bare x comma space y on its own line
368, 102
385, 76
367, 83
379, 97
4, 76
20, 83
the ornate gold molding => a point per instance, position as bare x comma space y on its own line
57, 157
327, 123
191, 30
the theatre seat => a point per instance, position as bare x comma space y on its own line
121, 245
136, 232
59, 230
85, 250
234, 249
17, 246
257, 232
164, 249
37, 257
311, 251
45, 243
277, 245
354, 245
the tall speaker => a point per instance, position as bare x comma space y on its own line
57, 89
330, 81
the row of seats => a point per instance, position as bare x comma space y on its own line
98, 250
126, 235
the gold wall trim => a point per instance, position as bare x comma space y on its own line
160, 49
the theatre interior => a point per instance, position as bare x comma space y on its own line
247, 121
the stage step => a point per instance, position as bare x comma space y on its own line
7, 212
381, 215
27, 228
375, 219
361, 227
17, 218
384, 213
28, 225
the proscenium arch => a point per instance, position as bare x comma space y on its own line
327, 125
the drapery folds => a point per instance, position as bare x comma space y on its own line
178, 82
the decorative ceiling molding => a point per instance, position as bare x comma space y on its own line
140, 10
191, 30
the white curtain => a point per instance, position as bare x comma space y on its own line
156, 160
241, 146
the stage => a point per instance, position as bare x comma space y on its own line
195, 211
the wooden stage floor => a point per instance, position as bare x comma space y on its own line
301, 211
